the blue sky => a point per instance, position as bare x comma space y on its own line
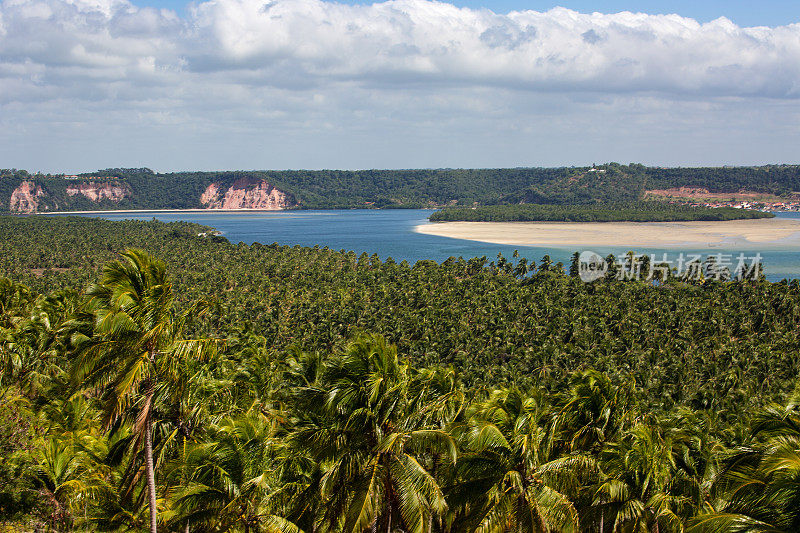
276, 84
742, 12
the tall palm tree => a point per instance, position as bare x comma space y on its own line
136, 352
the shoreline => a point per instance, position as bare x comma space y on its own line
757, 234
203, 210
112, 211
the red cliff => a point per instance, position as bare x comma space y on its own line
96, 192
26, 198
245, 193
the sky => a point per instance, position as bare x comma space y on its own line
309, 84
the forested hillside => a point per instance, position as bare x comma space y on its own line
771, 179
274, 388
329, 189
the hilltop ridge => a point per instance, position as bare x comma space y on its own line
142, 188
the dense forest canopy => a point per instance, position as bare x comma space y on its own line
330, 189
495, 319
630, 212
277, 388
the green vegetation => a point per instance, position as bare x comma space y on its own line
339, 189
637, 212
327, 189
769, 179
274, 388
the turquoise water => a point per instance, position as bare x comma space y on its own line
390, 233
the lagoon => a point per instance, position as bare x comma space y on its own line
391, 233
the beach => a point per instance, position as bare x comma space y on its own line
761, 234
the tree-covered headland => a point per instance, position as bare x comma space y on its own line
156, 379
630, 212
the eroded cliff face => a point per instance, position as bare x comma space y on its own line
246, 194
96, 192
27, 198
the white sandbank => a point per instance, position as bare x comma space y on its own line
761, 234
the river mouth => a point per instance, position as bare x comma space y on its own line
396, 233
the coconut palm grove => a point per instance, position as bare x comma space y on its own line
156, 377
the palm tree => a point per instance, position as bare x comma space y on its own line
645, 488
759, 486
359, 422
136, 353
593, 410
33, 352
235, 478
15, 299
66, 476
511, 478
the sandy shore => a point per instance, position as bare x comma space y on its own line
761, 234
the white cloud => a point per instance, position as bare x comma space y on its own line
406, 41
234, 67
560, 49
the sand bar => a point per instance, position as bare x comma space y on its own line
761, 234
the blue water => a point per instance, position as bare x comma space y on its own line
390, 233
